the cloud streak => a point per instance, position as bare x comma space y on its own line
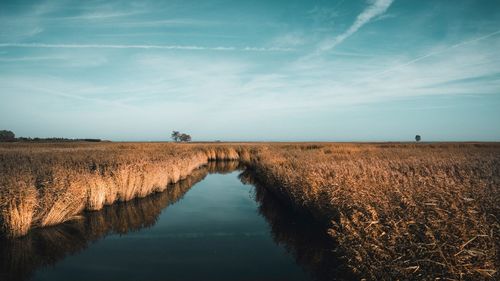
161, 47
19, 59
377, 8
415, 60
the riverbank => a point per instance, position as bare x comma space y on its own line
398, 211
48, 184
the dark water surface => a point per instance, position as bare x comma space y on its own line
208, 227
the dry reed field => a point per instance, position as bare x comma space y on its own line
47, 184
396, 211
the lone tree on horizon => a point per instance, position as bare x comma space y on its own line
6, 135
175, 136
180, 137
417, 138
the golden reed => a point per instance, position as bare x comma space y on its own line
43, 184
397, 211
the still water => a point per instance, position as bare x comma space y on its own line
210, 226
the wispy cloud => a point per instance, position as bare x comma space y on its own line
376, 8
99, 15
170, 22
34, 58
163, 47
56, 87
434, 53
289, 39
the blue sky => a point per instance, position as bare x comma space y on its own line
340, 70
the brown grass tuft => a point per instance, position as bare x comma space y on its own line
17, 206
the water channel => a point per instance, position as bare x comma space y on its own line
217, 224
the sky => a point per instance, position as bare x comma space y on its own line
338, 70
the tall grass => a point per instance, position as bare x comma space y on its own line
47, 184
17, 207
397, 211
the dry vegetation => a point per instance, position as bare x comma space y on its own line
397, 211
403, 211
47, 184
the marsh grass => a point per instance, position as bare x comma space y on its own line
396, 211
47, 184
17, 209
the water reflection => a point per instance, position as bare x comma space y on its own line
306, 242
42, 247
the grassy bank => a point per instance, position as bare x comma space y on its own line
46, 246
47, 184
397, 211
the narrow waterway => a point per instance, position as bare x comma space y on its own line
209, 227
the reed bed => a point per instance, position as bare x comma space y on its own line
47, 184
396, 211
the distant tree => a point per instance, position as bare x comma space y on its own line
185, 137
7, 135
91, 140
417, 138
175, 136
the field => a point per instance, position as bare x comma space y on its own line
397, 211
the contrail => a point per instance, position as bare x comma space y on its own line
437, 52
366, 79
162, 47
377, 8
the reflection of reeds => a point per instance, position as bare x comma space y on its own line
224, 167
302, 237
20, 257
45, 246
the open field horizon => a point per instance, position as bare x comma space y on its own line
409, 142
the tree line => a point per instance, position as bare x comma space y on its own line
9, 136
